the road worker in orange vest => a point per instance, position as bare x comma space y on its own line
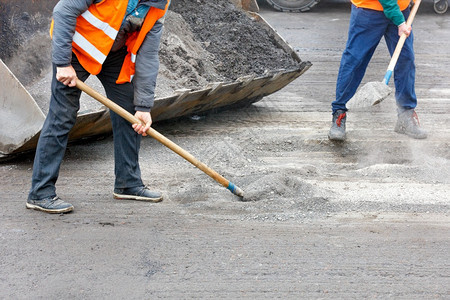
371, 20
118, 41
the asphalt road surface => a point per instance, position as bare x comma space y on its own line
368, 218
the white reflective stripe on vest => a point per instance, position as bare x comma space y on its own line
94, 21
88, 47
133, 58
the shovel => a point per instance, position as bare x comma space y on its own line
160, 138
373, 93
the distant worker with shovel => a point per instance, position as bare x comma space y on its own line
118, 41
370, 20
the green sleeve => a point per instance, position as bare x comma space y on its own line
392, 11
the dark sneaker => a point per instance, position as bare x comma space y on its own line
141, 193
408, 123
337, 130
50, 205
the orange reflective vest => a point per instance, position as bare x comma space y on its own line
135, 40
96, 30
376, 5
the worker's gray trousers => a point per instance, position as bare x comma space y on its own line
64, 105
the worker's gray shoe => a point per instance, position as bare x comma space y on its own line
50, 205
141, 193
337, 130
408, 123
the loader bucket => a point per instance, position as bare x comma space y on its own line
20, 117
25, 75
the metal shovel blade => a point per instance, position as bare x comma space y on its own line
368, 95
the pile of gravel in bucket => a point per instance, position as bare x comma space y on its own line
203, 41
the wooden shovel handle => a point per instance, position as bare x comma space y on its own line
403, 37
160, 138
